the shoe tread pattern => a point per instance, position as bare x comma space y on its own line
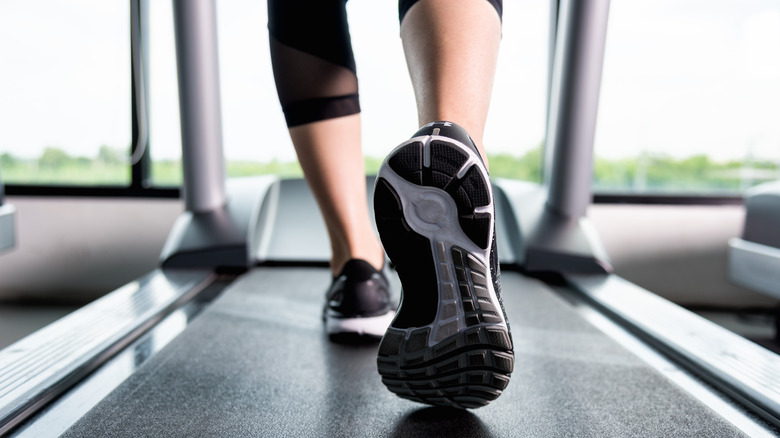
472, 366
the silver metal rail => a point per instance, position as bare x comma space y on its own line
574, 98
552, 232
743, 370
40, 367
197, 62
56, 417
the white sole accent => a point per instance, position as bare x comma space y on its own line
374, 326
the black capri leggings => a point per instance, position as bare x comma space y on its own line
311, 53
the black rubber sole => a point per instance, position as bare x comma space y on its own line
449, 344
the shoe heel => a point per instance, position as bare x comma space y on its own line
449, 343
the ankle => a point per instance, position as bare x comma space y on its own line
375, 258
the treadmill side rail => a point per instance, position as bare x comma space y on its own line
743, 370
7, 227
38, 368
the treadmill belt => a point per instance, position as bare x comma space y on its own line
257, 363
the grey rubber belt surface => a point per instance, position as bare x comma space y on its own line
256, 363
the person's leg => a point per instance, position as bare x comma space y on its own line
316, 81
330, 154
434, 209
317, 85
451, 50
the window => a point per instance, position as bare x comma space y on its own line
65, 112
516, 126
690, 97
254, 133
163, 96
65, 92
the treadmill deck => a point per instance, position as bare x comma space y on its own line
257, 363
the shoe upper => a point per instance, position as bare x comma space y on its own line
451, 130
358, 291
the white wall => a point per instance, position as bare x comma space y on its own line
85, 247
678, 252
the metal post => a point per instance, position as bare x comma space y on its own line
203, 160
555, 6
139, 72
579, 57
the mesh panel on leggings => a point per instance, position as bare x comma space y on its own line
313, 63
405, 5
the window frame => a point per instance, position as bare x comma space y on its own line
139, 171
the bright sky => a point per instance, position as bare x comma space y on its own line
680, 77
253, 123
694, 76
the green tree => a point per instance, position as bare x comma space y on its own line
527, 167
53, 158
111, 156
7, 160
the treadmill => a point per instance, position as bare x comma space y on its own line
226, 338
7, 222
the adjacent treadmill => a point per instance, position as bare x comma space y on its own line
7, 222
226, 339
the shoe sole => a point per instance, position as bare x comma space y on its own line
373, 326
449, 343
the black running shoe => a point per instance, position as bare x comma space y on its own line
450, 343
358, 302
